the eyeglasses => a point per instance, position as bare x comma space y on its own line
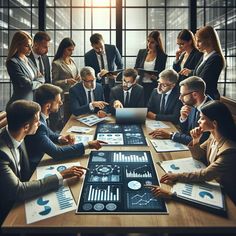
89, 81
164, 85
185, 94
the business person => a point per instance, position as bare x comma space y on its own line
87, 96
39, 56
151, 58
218, 152
23, 74
164, 103
129, 94
23, 119
187, 56
193, 97
47, 141
211, 63
103, 58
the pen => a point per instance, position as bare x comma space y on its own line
78, 132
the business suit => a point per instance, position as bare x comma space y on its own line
23, 82
190, 123
172, 107
78, 100
222, 168
46, 64
45, 141
190, 63
14, 183
160, 65
210, 71
61, 72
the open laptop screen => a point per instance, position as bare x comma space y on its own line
131, 115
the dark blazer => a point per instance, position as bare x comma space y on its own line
46, 64
15, 186
78, 100
172, 109
210, 71
45, 141
190, 63
190, 123
23, 82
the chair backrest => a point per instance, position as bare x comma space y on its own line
3, 119
231, 104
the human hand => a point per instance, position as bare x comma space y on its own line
71, 81
101, 114
157, 191
151, 115
178, 53
185, 72
196, 135
99, 104
185, 111
96, 144
74, 171
103, 72
169, 178
117, 104
160, 133
67, 139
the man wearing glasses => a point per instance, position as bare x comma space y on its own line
164, 103
87, 96
193, 97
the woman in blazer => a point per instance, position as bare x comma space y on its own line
64, 70
187, 56
151, 58
24, 76
218, 152
211, 63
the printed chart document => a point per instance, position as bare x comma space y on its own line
156, 124
91, 120
142, 72
167, 145
84, 138
53, 203
79, 130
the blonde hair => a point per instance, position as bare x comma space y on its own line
209, 37
19, 38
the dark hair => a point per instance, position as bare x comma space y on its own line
65, 43
218, 111
40, 36
20, 113
187, 35
194, 83
46, 93
130, 72
96, 38
155, 34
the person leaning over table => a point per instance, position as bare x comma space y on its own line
23, 120
218, 152
45, 140
164, 103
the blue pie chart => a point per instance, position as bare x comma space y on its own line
205, 194
46, 211
42, 202
174, 167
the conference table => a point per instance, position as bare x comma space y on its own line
181, 217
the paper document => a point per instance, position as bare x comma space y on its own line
79, 130
167, 145
83, 138
156, 124
91, 120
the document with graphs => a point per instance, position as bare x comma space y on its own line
167, 145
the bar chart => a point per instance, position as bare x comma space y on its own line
121, 157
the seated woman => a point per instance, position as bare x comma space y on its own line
218, 152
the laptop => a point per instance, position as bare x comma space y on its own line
131, 115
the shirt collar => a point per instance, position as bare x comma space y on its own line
206, 56
199, 106
36, 55
44, 117
128, 90
86, 89
15, 143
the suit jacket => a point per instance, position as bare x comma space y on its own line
210, 71
15, 185
46, 64
113, 59
45, 141
78, 100
172, 108
23, 82
190, 63
136, 96
190, 123
222, 169
61, 72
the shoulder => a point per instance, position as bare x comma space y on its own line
56, 62
138, 87
228, 146
117, 88
76, 87
98, 87
89, 53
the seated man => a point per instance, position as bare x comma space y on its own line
192, 95
164, 102
45, 140
87, 96
127, 94
23, 119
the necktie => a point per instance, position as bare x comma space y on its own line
196, 116
127, 99
40, 65
162, 110
102, 62
89, 96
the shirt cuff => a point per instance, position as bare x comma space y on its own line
91, 107
98, 77
173, 135
60, 178
182, 120
86, 145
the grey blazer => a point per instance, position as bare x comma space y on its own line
61, 72
15, 184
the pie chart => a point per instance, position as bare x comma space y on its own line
46, 211
205, 194
42, 202
174, 167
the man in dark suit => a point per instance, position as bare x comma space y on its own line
45, 140
164, 102
129, 94
39, 54
23, 119
192, 95
103, 58
87, 96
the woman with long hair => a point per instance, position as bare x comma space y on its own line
151, 58
218, 152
